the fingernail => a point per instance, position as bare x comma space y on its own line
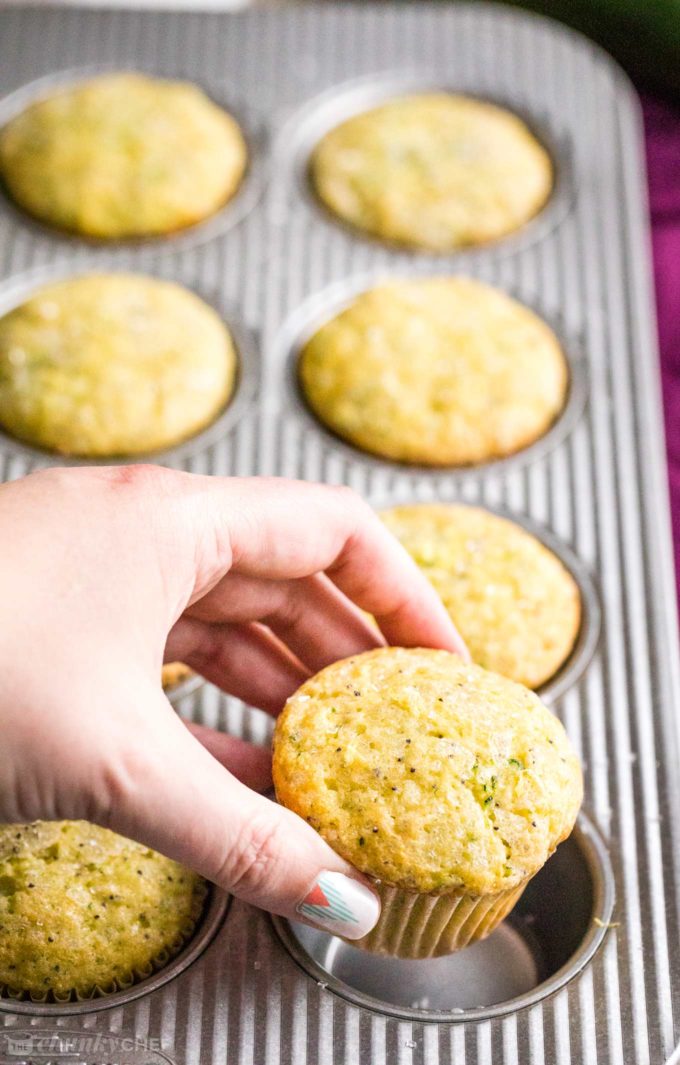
340, 905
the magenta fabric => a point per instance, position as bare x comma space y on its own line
662, 137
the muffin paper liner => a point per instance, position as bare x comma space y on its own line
413, 925
126, 981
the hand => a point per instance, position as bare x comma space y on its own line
105, 573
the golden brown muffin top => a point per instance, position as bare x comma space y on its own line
440, 371
112, 364
82, 908
122, 155
428, 773
433, 171
514, 603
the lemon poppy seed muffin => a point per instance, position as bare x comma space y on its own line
112, 364
438, 371
174, 673
433, 171
449, 785
122, 155
84, 911
513, 601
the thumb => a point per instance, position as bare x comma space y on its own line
175, 797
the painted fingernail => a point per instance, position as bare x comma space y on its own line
340, 905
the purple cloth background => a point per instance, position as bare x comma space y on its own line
662, 137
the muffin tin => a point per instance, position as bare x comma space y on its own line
32, 1046
176, 693
256, 993
527, 958
306, 128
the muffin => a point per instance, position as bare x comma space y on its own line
433, 171
444, 371
84, 912
112, 364
122, 155
174, 673
514, 603
447, 785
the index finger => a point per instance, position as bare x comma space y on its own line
281, 529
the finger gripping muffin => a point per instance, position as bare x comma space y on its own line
112, 364
448, 785
513, 601
433, 171
442, 371
85, 912
122, 155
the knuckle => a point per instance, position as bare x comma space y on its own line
250, 865
140, 476
59, 481
356, 512
118, 782
360, 511
130, 483
347, 497
291, 606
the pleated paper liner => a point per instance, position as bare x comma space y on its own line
413, 925
127, 980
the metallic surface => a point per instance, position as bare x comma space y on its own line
44, 1046
177, 692
601, 489
528, 957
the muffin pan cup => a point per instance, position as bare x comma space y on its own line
219, 222
247, 380
555, 928
296, 996
325, 305
318, 116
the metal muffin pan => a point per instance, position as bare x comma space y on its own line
323, 306
244, 199
528, 957
176, 693
333, 107
582, 262
578, 660
41, 1046
21, 288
